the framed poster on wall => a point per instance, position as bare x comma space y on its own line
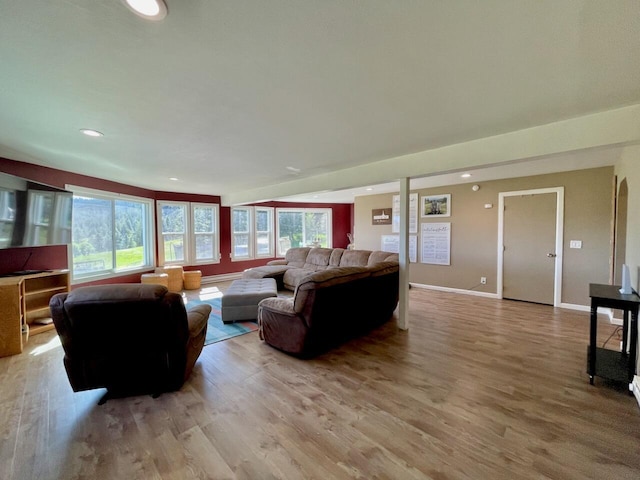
436, 243
436, 205
391, 243
413, 213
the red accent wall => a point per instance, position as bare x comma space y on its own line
56, 256
33, 258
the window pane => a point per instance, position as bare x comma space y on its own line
241, 245
263, 243
173, 248
315, 229
262, 221
92, 231
203, 219
290, 227
129, 237
240, 220
173, 219
204, 247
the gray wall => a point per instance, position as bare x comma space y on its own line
474, 231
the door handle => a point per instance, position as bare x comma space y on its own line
551, 255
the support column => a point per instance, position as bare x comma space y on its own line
403, 306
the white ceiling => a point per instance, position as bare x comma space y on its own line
225, 95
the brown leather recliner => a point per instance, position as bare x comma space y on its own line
131, 339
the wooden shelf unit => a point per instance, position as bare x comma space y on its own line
24, 307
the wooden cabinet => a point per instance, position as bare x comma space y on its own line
24, 307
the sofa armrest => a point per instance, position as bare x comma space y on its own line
278, 304
278, 262
197, 318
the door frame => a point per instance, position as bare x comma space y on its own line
559, 191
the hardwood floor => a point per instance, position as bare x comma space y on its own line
476, 388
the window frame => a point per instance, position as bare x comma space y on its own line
189, 235
148, 235
270, 232
252, 233
249, 233
327, 211
216, 234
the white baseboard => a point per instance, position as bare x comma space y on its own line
586, 308
454, 290
224, 277
574, 306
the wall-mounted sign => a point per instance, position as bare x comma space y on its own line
381, 216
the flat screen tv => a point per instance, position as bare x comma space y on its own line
33, 214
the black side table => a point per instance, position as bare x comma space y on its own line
611, 364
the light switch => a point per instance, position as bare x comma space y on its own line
575, 244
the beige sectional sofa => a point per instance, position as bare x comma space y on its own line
338, 295
301, 261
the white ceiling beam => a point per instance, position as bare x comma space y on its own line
613, 127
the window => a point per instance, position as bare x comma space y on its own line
303, 227
241, 233
205, 232
264, 232
188, 233
111, 234
251, 233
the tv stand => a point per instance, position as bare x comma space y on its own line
24, 306
21, 273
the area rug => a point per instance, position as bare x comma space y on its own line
218, 331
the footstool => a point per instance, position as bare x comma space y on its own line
157, 278
240, 301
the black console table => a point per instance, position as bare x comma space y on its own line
611, 364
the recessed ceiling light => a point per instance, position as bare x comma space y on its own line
173, 178
91, 133
148, 9
368, 189
465, 175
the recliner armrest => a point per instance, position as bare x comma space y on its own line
278, 304
197, 317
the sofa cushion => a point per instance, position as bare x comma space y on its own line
296, 257
355, 258
336, 255
324, 279
293, 276
318, 259
379, 257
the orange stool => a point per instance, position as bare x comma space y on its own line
192, 279
157, 278
175, 276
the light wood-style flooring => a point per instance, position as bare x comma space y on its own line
476, 389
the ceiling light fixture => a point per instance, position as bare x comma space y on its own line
174, 179
294, 169
465, 175
91, 133
148, 9
368, 189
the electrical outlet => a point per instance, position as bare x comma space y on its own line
483, 280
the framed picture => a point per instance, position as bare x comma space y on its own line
436, 205
381, 216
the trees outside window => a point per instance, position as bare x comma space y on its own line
303, 227
189, 233
111, 234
